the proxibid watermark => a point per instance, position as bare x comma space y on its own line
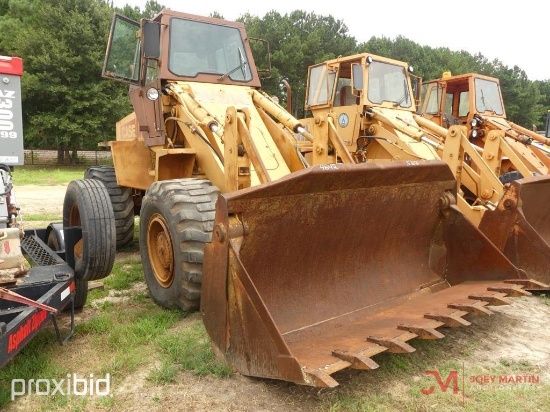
72, 385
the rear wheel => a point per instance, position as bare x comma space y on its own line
176, 221
87, 206
121, 200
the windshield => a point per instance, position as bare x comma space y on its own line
198, 47
388, 82
488, 97
431, 95
123, 51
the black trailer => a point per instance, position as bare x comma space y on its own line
35, 299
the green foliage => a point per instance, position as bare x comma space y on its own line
66, 103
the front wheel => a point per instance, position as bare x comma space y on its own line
176, 221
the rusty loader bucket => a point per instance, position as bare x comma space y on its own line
520, 227
323, 269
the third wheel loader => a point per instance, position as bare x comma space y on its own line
517, 155
300, 265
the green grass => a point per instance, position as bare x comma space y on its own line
40, 175
44, 218
125, 273
33, 362
545, 298
188, 350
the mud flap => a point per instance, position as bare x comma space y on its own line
323, 269
520, 227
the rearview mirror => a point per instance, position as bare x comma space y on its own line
151, 39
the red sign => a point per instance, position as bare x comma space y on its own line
11, 65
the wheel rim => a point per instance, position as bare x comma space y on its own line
159, 247
74, 220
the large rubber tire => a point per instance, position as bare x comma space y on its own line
81, 293
55, 241
87, 206
176, 221
121, 200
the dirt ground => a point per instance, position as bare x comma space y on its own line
40, 200
518, 332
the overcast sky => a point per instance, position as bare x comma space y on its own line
514, 33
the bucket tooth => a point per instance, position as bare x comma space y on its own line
492, 299
357, 360
510, 290
395, 345
476, 308
530, 284
423, 332
452, 320
321, 379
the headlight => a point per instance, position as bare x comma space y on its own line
152, 94
474, 122
476, 134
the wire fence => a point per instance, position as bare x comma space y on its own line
83, 157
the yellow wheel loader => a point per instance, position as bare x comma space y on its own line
302, 262
368, 103
518, 156
475, 100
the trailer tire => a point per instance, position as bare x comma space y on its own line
54, 237
81, 293
176, 221
87, 206
55, 241
121, 200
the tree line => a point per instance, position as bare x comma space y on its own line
68, 106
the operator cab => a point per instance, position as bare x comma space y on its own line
455, 100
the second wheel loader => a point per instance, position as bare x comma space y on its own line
368, 102
302, 263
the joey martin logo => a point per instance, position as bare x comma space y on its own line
71, 385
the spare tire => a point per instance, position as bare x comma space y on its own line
87, 206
